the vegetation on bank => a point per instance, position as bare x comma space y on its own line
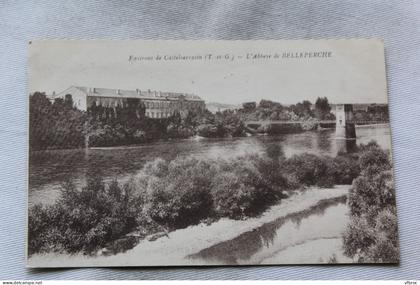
54, 125
302, 111
372, 234
58, 125
306, 111
175, 194
83, 219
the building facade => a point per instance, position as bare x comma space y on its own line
157, 104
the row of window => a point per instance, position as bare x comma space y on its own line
111, 102
158, 114
167, 104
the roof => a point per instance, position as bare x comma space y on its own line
140, 94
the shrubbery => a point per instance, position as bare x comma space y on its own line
372, 234
85, 219
242, 188
187, 190
309, 169
176, 194
323, 171
345, 168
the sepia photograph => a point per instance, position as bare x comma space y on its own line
209, 153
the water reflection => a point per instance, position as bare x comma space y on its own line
324, 140
254, 246
346, 145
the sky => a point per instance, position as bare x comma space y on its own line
354, 71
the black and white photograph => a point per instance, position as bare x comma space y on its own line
209, 153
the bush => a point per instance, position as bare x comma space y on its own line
372, 235
186, 191
374, 241
84, 220
240, 189
43, 235
210, 131
345, 168
371, 194
107, 135
309, 169
373, 159
179, 192
322, 171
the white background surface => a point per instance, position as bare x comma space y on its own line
397, 22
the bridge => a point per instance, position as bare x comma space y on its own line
326, 122
279, 122
345, 130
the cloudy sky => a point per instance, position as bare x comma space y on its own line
354, 72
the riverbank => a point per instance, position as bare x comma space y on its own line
173, 248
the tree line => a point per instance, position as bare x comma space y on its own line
59, 125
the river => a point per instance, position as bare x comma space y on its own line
49, 169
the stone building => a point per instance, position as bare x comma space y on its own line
158, 104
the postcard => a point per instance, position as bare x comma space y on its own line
202, 153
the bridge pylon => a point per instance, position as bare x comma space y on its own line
345, 130
345, 127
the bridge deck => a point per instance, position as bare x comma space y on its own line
266, 122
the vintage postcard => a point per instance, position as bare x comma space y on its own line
174, 153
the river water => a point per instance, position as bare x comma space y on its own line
49, 169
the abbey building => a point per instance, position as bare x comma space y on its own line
157, 104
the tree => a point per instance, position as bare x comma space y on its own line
302, 109
249, 106
322, 108
269, 104
68, 101
56, 125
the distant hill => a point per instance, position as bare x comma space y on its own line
219, 107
